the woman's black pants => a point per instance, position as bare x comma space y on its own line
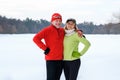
71, 69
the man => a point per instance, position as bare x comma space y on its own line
53, 36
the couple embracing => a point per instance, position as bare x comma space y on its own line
61, 48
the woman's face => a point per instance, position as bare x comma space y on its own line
70, 25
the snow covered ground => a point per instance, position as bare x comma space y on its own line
21, 59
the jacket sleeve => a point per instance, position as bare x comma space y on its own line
37, 39
86, 45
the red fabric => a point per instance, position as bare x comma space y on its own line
56, 16
53, 38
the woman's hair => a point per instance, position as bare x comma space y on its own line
71, 19
74, 21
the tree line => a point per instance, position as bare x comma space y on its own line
17, 26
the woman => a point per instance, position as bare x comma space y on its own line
71, 55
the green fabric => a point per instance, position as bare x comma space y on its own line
71, 46
76, 54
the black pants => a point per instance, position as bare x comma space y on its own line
54, 69
71, 69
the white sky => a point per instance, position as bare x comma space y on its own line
97, 11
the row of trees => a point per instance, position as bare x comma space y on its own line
17, 26
11, 26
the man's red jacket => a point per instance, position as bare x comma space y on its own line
53, 38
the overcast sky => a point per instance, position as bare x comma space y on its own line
97, 11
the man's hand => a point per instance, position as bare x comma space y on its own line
80, 33
46, 51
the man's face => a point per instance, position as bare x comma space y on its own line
57, 23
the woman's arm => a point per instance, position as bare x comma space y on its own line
86, 45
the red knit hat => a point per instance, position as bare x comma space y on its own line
56, 16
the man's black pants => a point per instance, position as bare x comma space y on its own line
54, 69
